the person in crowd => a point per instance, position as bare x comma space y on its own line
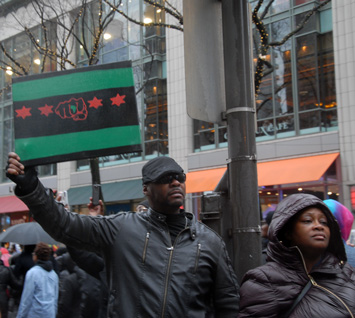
69, 298
345, 220
14, 248
94, 265
8, 281
161, 262
40, 293
24, 261
264, 235
5, 256
142, 206
21, 264
306, 274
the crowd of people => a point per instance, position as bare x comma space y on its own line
44, 281
162, 262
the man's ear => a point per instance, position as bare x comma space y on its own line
145, 189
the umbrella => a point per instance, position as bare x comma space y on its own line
26, 234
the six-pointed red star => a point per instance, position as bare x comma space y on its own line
23, 112
95, 102
118, 100
46, 110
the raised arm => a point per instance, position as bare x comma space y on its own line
80, 231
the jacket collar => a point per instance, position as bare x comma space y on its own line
161, 218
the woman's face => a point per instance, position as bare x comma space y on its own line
310, 232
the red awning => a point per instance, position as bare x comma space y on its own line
297, 170
12, 204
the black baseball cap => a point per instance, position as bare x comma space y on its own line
158, 167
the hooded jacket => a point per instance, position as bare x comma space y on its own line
40, 294
147, 275
270, 290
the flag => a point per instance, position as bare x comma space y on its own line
76, 114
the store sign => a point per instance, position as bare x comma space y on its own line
268, 128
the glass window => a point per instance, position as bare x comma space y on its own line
264, 101
326, 82
310, 122
306, 70
285, 126
134, 30
153, 14
298, 2
311, 24
282, 68
280, 5
204, 135
156, 122
326, 21
222, 136
25, 54
125, 40
265, 130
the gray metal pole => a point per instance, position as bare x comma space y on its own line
242, 169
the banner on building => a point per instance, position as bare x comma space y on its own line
76, 114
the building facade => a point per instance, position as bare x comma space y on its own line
304, 109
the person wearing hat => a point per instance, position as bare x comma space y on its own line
160, 263
40, 293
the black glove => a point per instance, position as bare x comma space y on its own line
26, 183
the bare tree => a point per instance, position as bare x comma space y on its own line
67, 26
263, 44
82, 23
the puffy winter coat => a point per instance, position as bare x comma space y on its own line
147, 275
270, 290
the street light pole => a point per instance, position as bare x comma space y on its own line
240, 115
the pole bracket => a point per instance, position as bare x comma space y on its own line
254, 229
236, 110
242, 158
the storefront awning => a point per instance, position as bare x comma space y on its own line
112, 192
295, 170
204, 180
285, 171
12, 204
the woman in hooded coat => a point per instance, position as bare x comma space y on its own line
305, 246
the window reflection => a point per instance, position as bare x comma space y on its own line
297, 94
264, 102
156, 122
123, 41
25, 54
306, 70
282, 68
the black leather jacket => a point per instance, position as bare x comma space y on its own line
270, 290
147, 276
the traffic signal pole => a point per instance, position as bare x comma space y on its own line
242, 203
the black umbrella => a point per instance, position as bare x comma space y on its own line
26, 234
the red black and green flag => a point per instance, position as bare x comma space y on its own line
76, 114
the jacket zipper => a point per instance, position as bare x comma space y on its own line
171, 250
197, 257
145, 246
314, 283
